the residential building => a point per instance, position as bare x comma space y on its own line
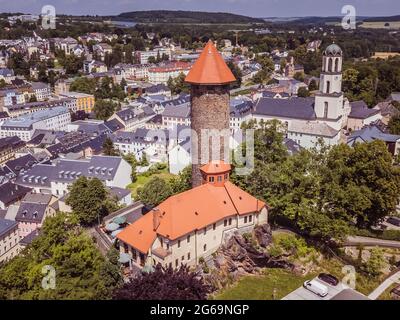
24, 126
143, 142
84, 102
41, 90
11, 193
32, 212
361, 115
143, 56
309, 134
8, 147
372, 132
9, 238
133, 118
162, 73
62, 86
7, 75
183, 229
55, 178
94, 66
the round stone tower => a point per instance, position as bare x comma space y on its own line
209, 79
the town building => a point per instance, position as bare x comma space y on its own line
183, 229
361, 116
84, 102
55, 178
32, 212
41, 90
24, 126
133, 118
8, 147
157, 52
162, 73
9, 238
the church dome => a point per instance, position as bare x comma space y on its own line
333, 50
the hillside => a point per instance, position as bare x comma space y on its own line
167, 16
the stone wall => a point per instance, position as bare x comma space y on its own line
209, 110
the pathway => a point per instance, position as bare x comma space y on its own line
395, 278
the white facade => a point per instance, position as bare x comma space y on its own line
56, 119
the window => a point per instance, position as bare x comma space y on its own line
328, 86
176, 263
214, 226
188, 238
179, 243
183, 258
230, 221
326, 110
225, 223
205, 230
188, 255
211, 179
250, 218
245, 219
219, 178
205, 247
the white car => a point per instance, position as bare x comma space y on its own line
316, 287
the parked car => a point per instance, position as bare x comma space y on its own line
316, 287
394, 220
329, 279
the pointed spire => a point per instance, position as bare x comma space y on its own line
210, 68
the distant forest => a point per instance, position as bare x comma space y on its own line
166, 16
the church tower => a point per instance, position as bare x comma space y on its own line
210, 80
329, 101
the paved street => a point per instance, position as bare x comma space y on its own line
384, 285
366, 241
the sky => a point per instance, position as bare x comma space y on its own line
254, 8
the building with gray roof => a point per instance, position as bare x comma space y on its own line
56, 177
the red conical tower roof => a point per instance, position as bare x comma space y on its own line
210, 68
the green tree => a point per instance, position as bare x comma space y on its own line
154, 192
108, 148
183, 181
88, 200
81, 270
375, 262
83, 84
394, 124
303, 92
237, 73
104, 109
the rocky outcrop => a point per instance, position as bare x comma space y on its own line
263, 235
243, 255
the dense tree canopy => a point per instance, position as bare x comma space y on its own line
165, 284
81, 272
323, 192
89, 201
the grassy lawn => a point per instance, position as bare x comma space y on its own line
262, 287
143, 179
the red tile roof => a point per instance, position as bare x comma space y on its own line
215, 167
210, 68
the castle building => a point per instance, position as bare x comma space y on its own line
192, 225
209, 78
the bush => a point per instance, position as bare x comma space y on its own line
275, 251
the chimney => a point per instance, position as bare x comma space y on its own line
156, 218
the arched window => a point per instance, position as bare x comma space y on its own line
328, 86
336, 64
326, 110
330, 64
